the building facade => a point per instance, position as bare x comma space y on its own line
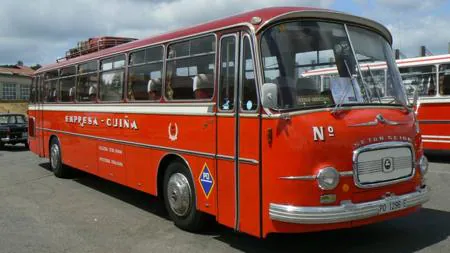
15, 84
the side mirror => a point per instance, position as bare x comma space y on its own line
270, 95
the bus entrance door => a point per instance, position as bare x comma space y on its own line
238, 137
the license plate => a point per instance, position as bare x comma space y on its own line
24, 134
392, 206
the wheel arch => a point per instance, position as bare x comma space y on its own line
162, 166
50, 139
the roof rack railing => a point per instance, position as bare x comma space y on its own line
93, 45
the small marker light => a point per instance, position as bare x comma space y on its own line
256, 20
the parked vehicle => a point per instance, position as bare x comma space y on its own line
13, 129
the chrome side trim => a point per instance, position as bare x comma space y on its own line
346, 173
346, 211
434, 121
313, 177
306, 178
225, 157
137, 144
378, 119
169, 149
226, 114
248, 161
377, 146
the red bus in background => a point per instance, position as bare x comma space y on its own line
220, 119
430, 77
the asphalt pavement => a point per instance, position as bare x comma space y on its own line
41, 213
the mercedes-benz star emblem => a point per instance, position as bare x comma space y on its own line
388, 164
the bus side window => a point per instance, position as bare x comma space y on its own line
190, 69
444, 79
144, 74
87, 82
249, 94
228, 70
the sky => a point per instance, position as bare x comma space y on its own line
38, 32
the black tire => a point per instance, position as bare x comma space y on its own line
27, 146
57, 166
2, 145
192, 220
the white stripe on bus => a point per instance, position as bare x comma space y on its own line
435, 137
184, 109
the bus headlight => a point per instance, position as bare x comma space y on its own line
423, 164
328, 178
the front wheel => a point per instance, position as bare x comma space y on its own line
55, 160
180, 198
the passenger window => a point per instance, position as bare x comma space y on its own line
249, 94
190, 69
67, 84
420, 78
87, 84
33, 90
228, 72
51, 86
444, 80
112, 78
144, 74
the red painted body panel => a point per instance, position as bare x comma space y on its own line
434, 124
131, 155
294, 152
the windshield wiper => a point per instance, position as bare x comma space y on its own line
341, 100
374, 84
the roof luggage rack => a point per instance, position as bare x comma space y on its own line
93, 45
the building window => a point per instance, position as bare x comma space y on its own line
9, 91
24, 92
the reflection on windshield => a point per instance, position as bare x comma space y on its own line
293, 52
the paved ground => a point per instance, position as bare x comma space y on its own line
40, 213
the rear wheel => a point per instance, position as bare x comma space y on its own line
180, 199
2, 145
55, 160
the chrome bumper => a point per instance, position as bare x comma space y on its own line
345, 212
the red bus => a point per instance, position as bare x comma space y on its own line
218, 120
428, 76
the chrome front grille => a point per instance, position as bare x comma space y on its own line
371, 167
383, 163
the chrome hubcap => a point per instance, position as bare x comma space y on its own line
179, 194
54, 155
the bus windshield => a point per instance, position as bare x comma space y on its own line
291, 51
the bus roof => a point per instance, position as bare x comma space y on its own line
267, 15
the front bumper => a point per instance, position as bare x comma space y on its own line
345, 212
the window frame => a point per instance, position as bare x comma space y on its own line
15, 91
76, 100
241, 74
75, 76
436, 75
167, 61
100, 72
163, 75
49, 80
438, 72
236, 71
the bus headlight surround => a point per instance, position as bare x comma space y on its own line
423, 165
328, 178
